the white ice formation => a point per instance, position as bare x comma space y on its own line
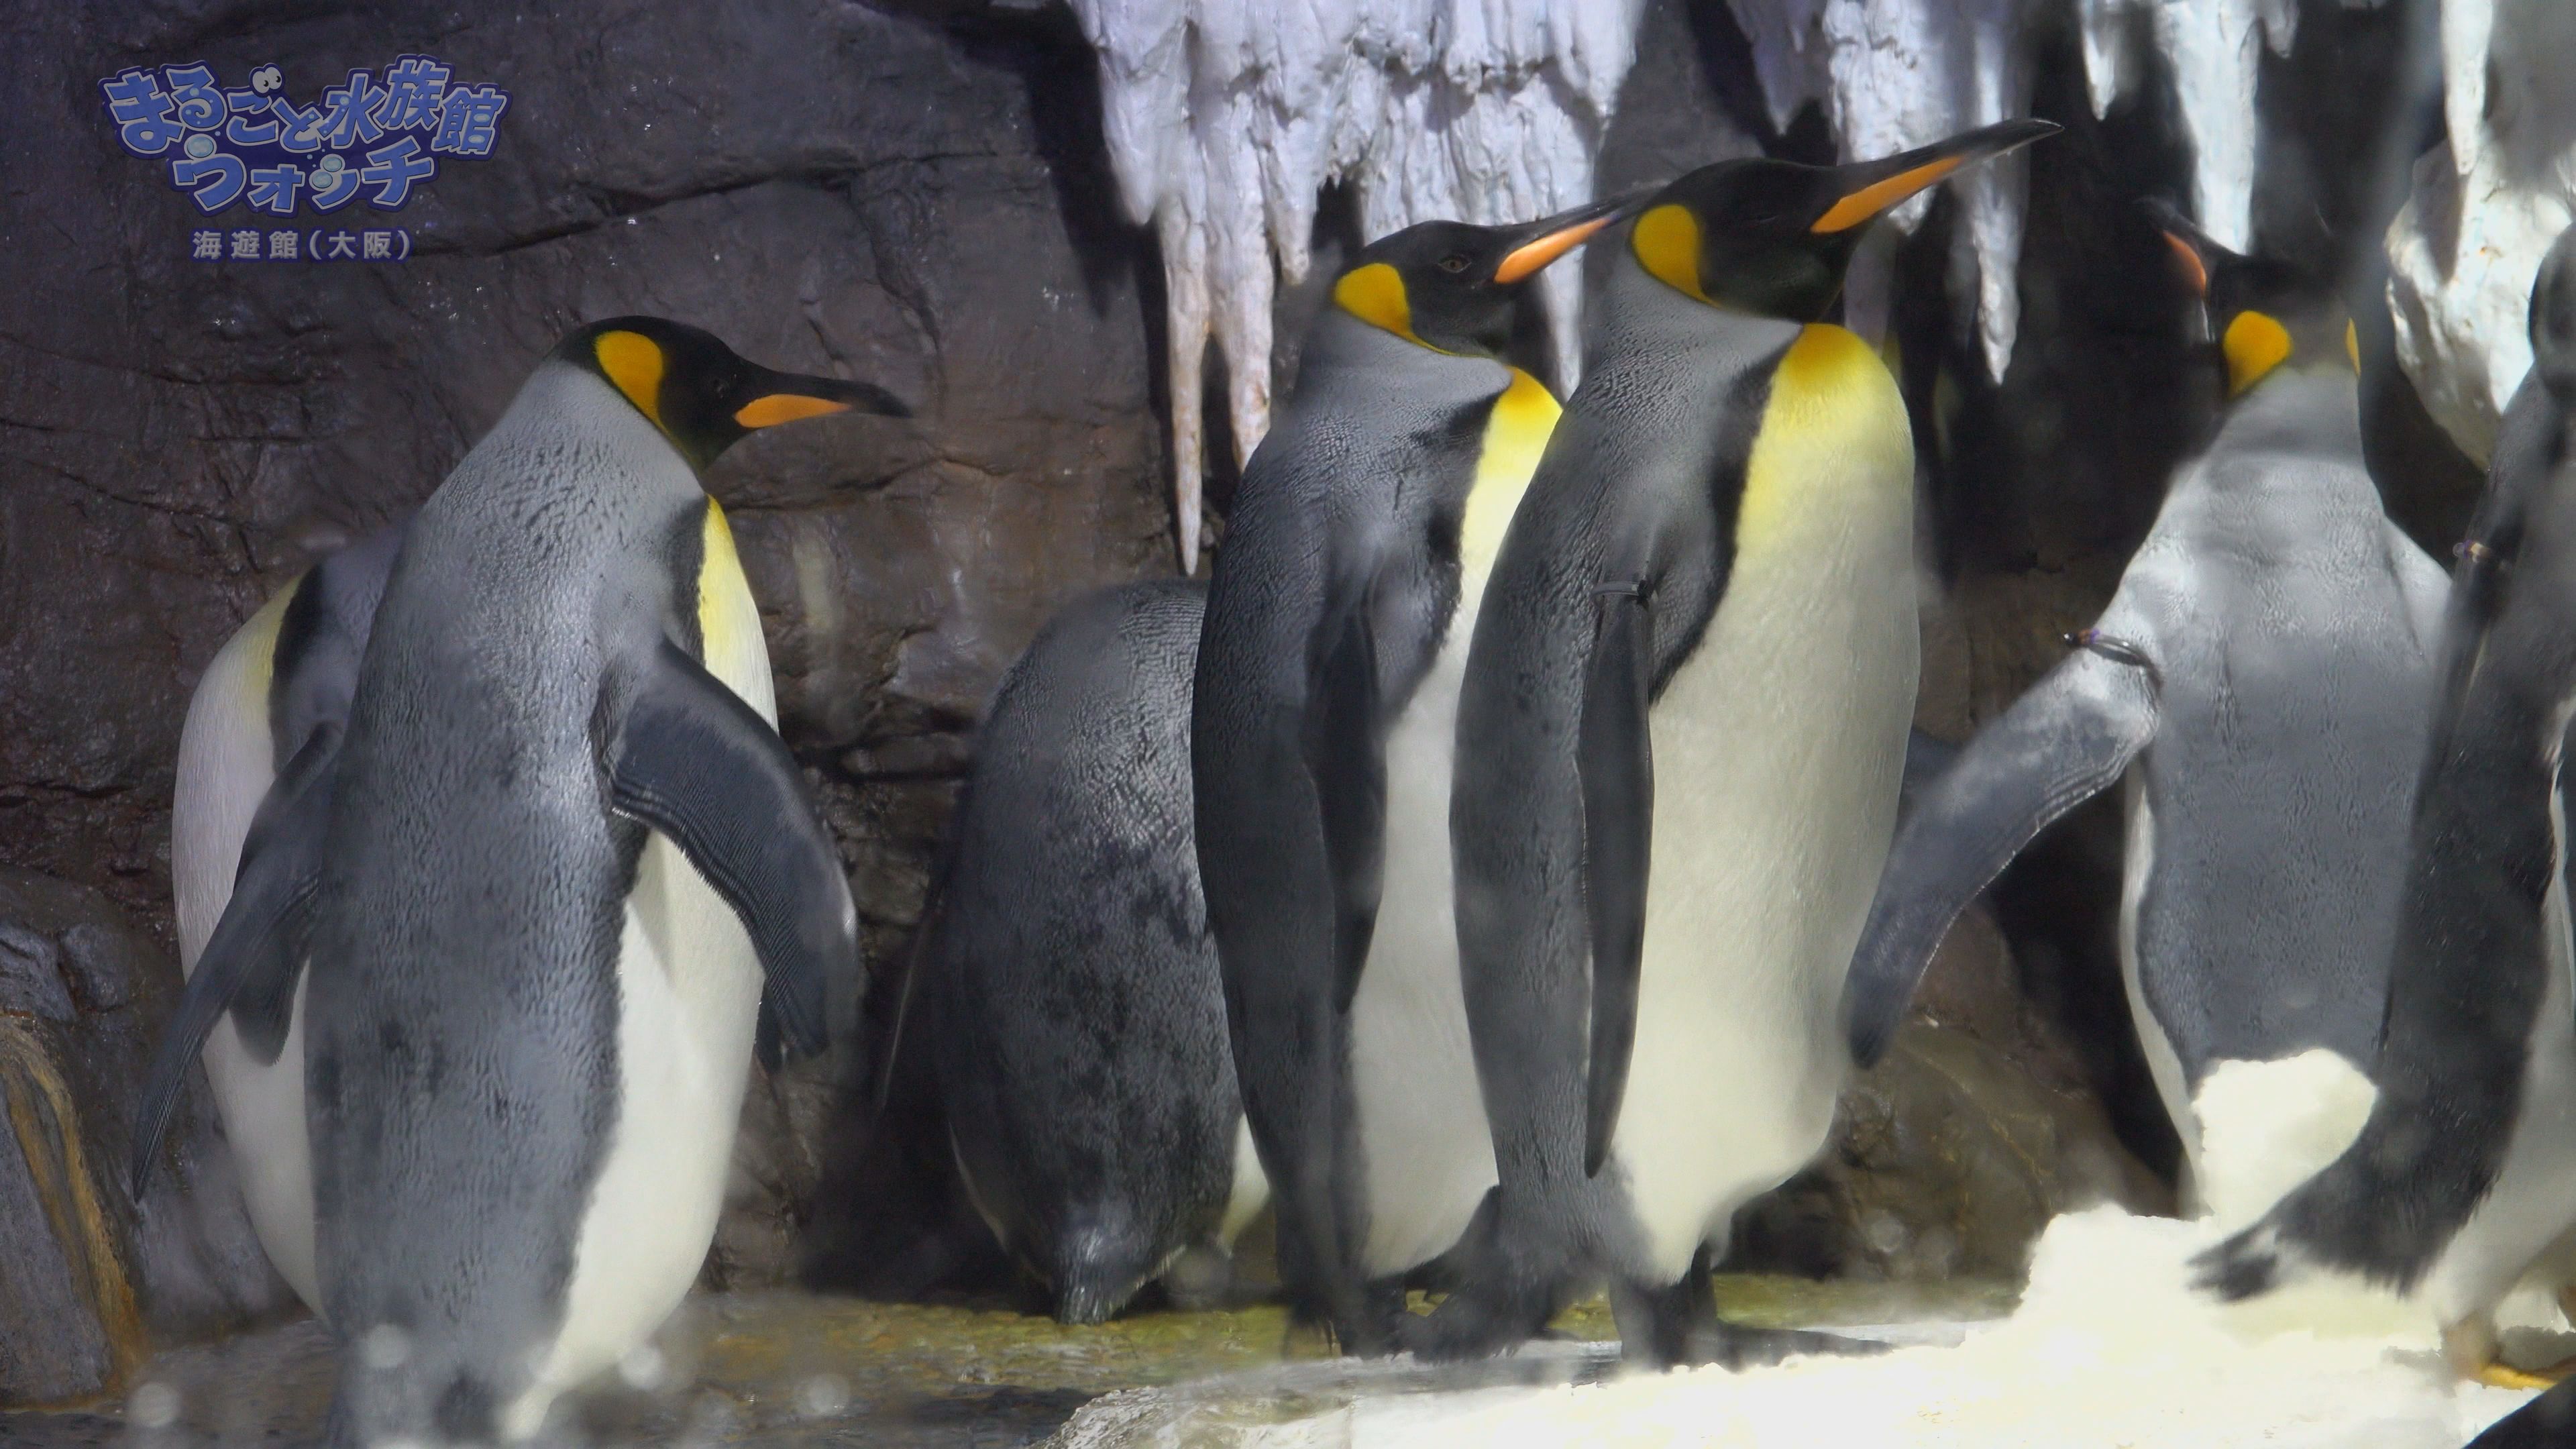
2464, 250
1225, 118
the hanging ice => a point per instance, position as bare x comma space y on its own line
1895, 74
2463, 251
2213, 49
1224, 119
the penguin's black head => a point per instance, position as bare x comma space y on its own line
2553, 319
2262, 312
1450, 286
1773, 237
701, 394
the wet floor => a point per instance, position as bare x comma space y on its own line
800, 1371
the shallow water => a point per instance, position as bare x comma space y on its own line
797, 1369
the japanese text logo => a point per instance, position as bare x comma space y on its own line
376, 138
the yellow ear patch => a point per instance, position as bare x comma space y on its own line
2352, 345
1666, 241
784, 407
633, 361
1878, 196
2254, 344
1375, 295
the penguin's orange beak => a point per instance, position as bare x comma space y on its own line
1559, 234
1870, 187
783, 397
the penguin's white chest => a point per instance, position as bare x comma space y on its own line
226, 755
1427, 1150
1778, 749
1423, 1135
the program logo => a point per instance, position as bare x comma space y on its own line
376, 137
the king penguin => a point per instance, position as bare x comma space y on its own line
1680, 738
2262, 680
1071, 987
270, 707
527, 896
1337, 620
2462, 1183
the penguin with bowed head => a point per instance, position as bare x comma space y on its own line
2262, 681
2462, 1183
1680, 739
1337, 620
527, 895
1071, 985
269, 707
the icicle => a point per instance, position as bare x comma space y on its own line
2464, 249
1224, 119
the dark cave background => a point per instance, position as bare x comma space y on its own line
915, 193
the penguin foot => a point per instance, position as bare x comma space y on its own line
1471, 1324
2501, 1375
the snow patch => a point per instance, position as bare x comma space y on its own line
2109, 1346
1225, 118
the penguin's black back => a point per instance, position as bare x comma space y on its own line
1073, 991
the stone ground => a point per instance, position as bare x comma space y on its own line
801, 1371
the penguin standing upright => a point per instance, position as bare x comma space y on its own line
1071, 986
1679, 746
2262, 679
270, 707
2463, 1180
557, 848
1337, 618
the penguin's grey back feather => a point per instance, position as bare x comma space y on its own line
1074, 1002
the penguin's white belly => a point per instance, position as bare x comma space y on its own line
1778, 747
2164, 1064
263, 1112
225, 768
688, 998
2533, 1201
1428, 1152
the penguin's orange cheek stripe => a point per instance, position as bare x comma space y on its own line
2194, 271
1878, 196
784, 407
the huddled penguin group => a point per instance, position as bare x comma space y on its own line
1496, 866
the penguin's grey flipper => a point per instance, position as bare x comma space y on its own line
1348, 762
694, 762
256, 955
2064, 742
1616, 759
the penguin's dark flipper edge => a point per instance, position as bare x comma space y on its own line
2064, 742
697, 764
1348, 762
1615, 756
256, 955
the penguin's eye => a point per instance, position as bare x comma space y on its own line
1453, 263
